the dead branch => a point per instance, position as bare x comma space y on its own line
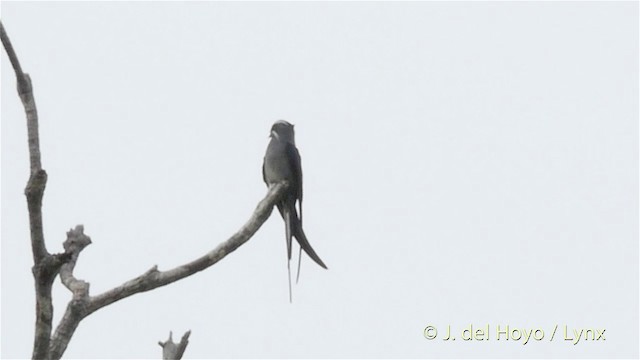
83, 304
47, 266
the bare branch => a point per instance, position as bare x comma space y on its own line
45, 266
38, 179
173, 351
10, 52
153, 279
34, 192
75, 243
67, 326
44, 272
83, 305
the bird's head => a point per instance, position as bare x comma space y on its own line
283, 131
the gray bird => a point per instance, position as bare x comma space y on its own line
282, 162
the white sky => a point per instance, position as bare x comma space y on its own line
464, 163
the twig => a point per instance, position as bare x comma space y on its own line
10, 52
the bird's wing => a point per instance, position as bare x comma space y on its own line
295, 163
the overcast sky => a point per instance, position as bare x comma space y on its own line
464, 164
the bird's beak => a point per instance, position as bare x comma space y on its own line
274, 135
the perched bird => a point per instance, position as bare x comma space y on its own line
282, 162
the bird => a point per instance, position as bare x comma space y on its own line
282, 163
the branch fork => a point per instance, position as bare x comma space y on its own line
47, 266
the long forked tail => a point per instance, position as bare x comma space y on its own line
298, 233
